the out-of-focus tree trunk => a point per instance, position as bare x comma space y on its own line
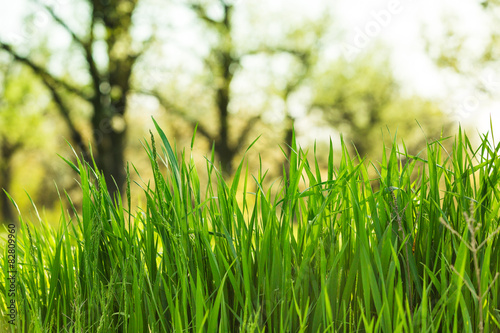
7, 151
222, 62
109, 86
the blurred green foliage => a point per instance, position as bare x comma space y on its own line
231, 70
471, 57
22, 109
363, 100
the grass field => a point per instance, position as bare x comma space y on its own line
414, 250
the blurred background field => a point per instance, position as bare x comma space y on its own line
93, 72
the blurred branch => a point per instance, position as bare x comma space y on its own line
49, 80
94, 72
51, 83
223, 25
276, 50
7, 148
64, 110
146, 45
65, 26
85, 45
178, 111
246, 130
202, 14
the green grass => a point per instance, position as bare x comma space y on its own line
414, 250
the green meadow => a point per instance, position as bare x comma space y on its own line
414, 248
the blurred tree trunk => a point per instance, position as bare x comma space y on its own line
7, 151
109, 86
223, 62
289, 134
307, 59
224, 59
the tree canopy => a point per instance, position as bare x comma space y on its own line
231, 70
